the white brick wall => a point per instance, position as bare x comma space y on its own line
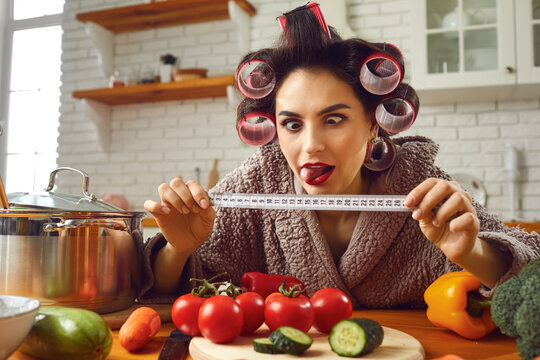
153, 142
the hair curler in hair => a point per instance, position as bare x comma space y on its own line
255, 79
394, 52
315, 9
397, 112
380, 154
381, 72
257, 128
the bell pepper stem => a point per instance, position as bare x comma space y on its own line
476, 304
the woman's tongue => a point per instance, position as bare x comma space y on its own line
310, 173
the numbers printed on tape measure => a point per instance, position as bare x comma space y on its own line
310, 202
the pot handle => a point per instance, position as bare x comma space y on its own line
73, 224
86, 181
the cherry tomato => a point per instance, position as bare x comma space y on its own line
252, 305
185, 312
220, 319
330, 306
292, 311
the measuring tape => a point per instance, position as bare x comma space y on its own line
310, 202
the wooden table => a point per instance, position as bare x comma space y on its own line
436, 341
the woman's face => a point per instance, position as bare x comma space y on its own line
322, 131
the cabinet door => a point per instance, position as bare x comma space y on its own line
528, 41
463, 43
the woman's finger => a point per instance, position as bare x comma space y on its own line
199, 195
420, 199
156, 208
170, 196
434, 197
184, 192
455, 205
465, 222
416, 195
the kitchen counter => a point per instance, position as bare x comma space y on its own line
436, 342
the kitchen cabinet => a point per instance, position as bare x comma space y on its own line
101, 26
475, 50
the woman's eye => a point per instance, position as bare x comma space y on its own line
291, 124
334, 119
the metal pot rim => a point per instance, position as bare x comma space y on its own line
70, 214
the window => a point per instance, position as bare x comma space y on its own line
31, 91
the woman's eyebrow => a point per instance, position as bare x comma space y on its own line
322, 112
333, 108
288, 113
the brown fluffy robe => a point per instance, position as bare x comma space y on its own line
388, 263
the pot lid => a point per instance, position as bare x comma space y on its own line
48, 199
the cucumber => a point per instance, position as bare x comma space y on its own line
66, 333
264, 345
290, 340
355, 337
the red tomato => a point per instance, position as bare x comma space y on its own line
282, 310
330, 306
185, 311
252, 305
220, 319
271, 296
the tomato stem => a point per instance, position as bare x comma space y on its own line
292, 292
209, 288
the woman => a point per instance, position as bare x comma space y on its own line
313, 104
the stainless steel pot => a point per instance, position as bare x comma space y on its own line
69, 250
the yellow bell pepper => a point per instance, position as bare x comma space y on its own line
454, 303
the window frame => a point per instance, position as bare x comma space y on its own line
7, 28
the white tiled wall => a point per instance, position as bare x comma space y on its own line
153, 142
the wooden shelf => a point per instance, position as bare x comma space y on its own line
162, 14
144, 93
101, 26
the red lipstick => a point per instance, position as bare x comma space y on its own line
316, 173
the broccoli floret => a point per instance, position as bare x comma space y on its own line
530, 288
532, 268
527, 350
504, 304
515, 308
527, 319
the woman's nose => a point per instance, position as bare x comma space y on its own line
313, 140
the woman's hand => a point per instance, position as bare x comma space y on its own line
184, 215
446, 216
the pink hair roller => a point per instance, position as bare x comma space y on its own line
255, 79
257, 128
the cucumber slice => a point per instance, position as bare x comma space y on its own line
264, 345
290, 340
355, 337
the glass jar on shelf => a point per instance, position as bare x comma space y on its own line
147, 75
116, 79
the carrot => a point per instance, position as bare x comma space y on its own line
140, 327
448, 357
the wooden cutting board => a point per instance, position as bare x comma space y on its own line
396, 345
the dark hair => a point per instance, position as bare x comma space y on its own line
304, 44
